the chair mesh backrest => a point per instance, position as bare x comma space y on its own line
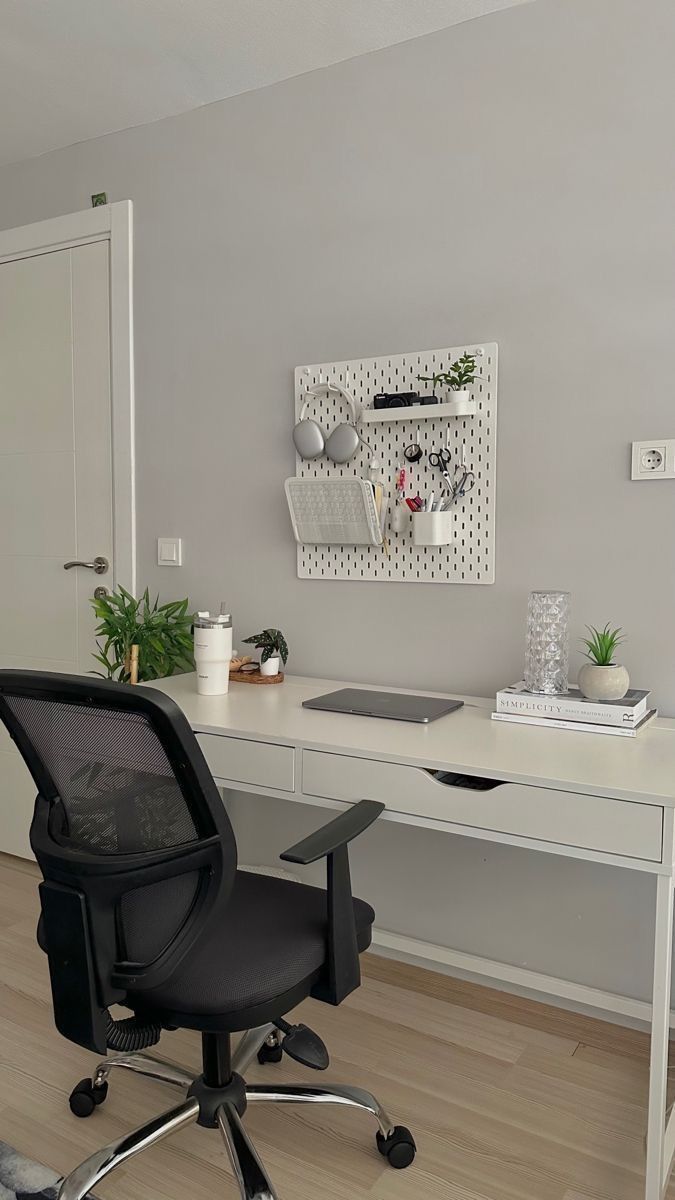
116, 784
119, 795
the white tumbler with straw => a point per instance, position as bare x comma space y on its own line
213, 653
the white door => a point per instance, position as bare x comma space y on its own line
56, 495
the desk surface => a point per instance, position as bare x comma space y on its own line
640, 768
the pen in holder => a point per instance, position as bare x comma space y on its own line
432, 528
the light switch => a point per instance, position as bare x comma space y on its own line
169, 552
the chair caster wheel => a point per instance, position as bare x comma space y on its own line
398, 1147
270, 1054
84, 1097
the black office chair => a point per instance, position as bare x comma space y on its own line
143, 906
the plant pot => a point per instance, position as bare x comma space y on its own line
271, 667
603, 683
461, 403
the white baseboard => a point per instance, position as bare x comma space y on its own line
575, 996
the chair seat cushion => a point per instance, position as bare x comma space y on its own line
272, 937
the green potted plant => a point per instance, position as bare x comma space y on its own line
272, 644
601, 678
458, 378
139, 639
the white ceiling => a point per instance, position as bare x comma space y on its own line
76, 69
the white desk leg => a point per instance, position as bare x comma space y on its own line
226, 797
658, 1063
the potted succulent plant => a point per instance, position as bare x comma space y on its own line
601, 678
272, 644
459, 375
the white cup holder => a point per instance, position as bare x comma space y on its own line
432, 528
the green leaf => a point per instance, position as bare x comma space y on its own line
162, 634
602, 644
271, 642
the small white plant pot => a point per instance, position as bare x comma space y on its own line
603, 683
271, 667
432, 528
461, 404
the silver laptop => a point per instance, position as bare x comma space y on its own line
394, 705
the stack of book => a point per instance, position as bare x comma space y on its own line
571, 710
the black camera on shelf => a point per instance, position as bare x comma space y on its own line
394, 399
401, 399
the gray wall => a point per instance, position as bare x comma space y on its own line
508, 179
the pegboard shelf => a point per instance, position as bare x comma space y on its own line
415, 412
469, 556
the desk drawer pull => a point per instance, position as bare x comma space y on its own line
475, 783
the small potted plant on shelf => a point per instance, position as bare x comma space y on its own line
272, 644
142, 639
458, 377
601, 678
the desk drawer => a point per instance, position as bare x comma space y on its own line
543, 814
262, 764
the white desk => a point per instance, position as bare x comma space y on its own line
602, 799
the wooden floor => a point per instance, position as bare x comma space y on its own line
508, 1100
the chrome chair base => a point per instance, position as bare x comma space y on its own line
247, 1166
95, 1168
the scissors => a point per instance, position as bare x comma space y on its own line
460, 482
441, 460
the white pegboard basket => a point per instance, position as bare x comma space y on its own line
472, 439
333, 511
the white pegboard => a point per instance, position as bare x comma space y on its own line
471, 555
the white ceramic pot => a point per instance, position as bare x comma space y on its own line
271, 667
461, 403
603, 683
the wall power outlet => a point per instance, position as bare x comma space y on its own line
653, 459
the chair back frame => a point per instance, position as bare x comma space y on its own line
81, 891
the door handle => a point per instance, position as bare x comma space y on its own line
100, 564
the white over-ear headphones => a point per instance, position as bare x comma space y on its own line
309, 438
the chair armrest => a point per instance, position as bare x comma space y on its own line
342, 972
336, 833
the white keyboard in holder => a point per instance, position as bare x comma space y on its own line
334, 511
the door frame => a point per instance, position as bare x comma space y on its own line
112, 223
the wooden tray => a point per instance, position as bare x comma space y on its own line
255, 677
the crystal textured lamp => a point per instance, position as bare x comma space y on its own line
547, 648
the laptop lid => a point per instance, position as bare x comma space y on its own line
394, 705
